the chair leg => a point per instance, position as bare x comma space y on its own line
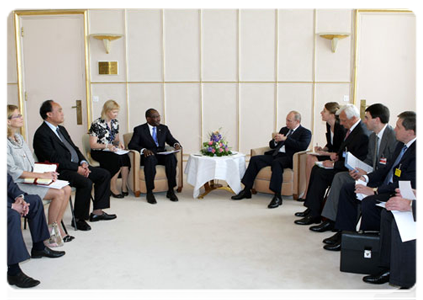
73, 213
64, 227
25, 220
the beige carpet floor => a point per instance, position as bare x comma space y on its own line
210, 244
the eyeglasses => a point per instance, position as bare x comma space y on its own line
16, 117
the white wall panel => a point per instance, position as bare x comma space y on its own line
11, 50
12, 94
220, 44
220, 108
145, 45
184, 114
113, 22
257, 115
333, 66
327, 93
296, 45
182, 45
257, 38
106, 92
295, 96
143, 96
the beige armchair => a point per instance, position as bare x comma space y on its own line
86, 150
293, 179
136, 178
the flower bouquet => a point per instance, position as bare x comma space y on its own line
216, 146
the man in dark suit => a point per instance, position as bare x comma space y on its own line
356, 141
380, 184
382, 144
290, 139
397, 259
20, 204
150, 139
52, 143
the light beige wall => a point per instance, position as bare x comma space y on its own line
242, 70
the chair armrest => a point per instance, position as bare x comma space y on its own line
299, 168
259, 151
134, 173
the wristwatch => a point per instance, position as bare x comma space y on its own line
375, 190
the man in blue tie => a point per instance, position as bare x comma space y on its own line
149, 139
380, 185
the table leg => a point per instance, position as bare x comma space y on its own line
208, 187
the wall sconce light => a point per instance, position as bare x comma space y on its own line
106, 38
335, 37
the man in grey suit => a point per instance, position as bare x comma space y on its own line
382, 143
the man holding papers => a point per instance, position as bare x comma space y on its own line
382, 143
52, 143
150, 139
356, 141
397, 256
381, 184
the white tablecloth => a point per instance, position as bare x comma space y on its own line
201, 169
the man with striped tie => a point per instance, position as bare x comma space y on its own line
149, 139
290, 139
380, 185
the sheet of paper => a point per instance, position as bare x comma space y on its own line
406, 190
320, 165
361, 196
406, 225
41, 168
118, 151
168, 152
58, 184
352, 162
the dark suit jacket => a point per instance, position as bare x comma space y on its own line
298, 141
13, 191
338, 137
142, 138
387, 146
356, 143
408, 170
48, 147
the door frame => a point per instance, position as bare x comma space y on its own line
356, 50
17, 23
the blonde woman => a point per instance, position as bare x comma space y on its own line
104, 141
20, 163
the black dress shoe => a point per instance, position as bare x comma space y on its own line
244, 194
125, 193
333, 239
68, 238
102, 217
81, 225
171, 195
325, 226
301, 199
308, 220
400, 294
333, 247
302, 213
276, 201
150, 198
46, 252
22, 280
119, 196
382, 277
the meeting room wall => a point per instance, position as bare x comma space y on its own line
238, 70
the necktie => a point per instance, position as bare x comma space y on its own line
376, 153
348, 133
155, 136
390, 176
282, 143
74, 155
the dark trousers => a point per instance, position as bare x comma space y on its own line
150, 163
347, 216
320, 180
101, 180
16, 248
277, 163
395, 255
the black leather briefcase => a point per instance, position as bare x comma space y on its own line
360, 252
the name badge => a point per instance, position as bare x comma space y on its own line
383, 161
397, 172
